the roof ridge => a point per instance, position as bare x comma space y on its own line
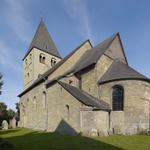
92, 55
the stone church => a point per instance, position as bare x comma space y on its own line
91, 91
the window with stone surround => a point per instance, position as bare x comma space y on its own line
117, 98
26, 62
44, 100
30, 58
53, 62
42, 58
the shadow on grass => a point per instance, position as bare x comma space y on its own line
54, 141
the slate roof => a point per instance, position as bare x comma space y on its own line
91, 56
84, 97
43, 41
51, 70
119, 71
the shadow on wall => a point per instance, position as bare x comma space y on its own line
24, 139
65, 128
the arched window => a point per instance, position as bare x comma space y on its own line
53, 62
42, 58
44, 100
117, 98
68, 112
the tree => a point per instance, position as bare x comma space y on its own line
1, 83
6, 114
11, 114
3, 112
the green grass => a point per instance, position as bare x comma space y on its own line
25, 139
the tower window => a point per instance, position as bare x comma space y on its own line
117, 98
26, 62
28, 74
30, 58
53, 62
42, 58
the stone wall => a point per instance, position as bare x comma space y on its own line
90, 78
33, 108
63, 111
135, 117
95, 123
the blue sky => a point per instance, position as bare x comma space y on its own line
70, 22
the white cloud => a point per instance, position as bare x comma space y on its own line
76, 10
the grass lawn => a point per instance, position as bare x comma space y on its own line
25, 139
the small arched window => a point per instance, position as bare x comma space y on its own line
53, 62
42, 58
44, 100
68, 112
117, 98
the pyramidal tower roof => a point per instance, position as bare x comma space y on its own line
43, 41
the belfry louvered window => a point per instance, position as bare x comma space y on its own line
117, 98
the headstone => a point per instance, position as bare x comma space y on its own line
12, 123
93, 132
19, 124
4, 125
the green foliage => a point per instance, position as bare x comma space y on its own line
26, 139
11, 114
1, 83
5, 114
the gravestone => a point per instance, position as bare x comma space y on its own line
4, 125
12, 123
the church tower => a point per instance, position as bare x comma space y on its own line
41, 55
